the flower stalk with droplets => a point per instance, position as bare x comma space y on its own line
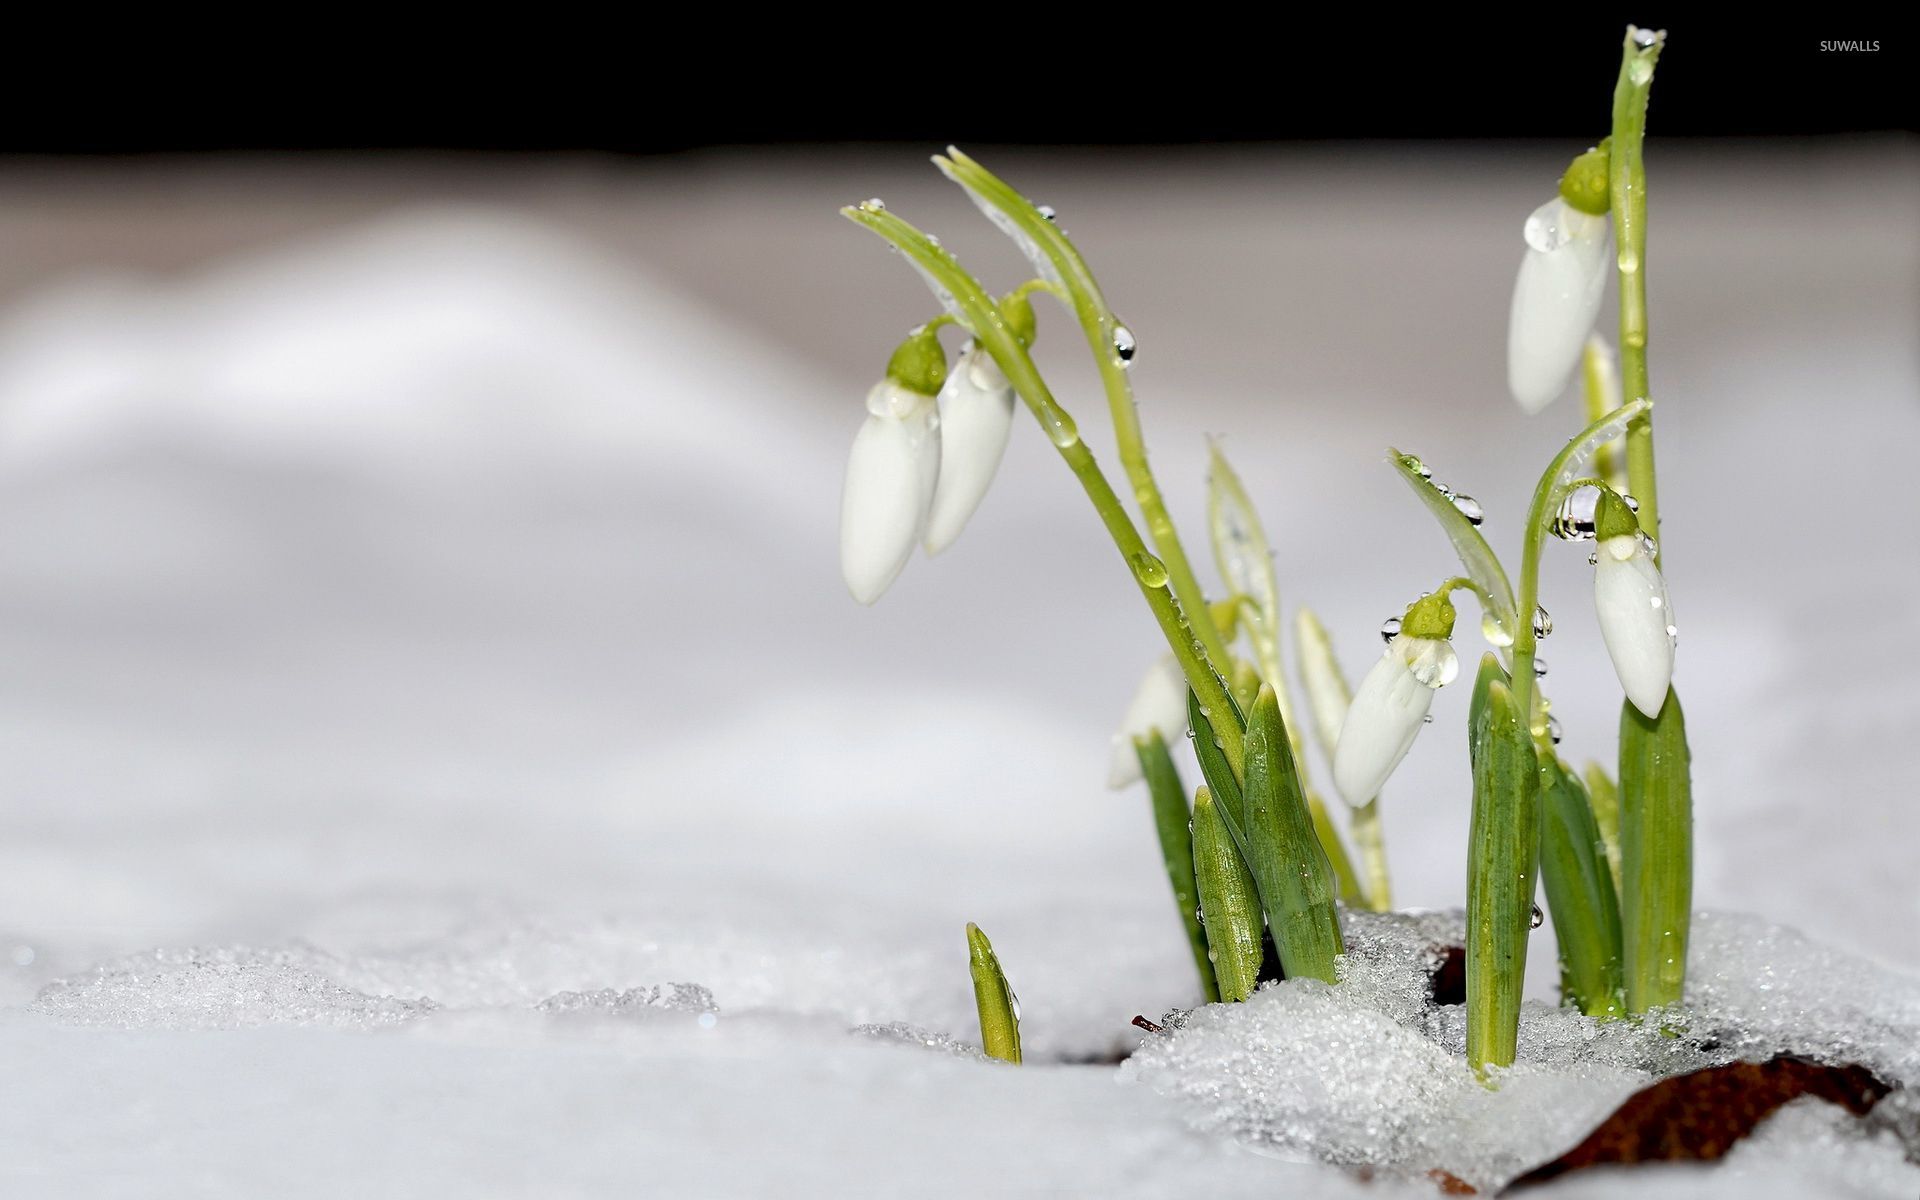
894, 468
1392, 703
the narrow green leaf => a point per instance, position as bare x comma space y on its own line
1214, 766
1174, 823
1229, 899
1240, 547
1605, 798
1580, 895
1328, 695
1283, 851
1476, 557
1503, 845
999, 1008
1656, 852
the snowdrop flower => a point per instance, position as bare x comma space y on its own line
976, 416
893, 470
1630, 596
1555, 300
1391, 705
1159, 705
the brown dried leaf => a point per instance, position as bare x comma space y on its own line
1699, 1116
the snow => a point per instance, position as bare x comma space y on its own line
438, 755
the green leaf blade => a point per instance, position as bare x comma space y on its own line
1656, 852
1284, 852
1230, 901
1173, 822
993, 998
1580, 894
1477, 559
1503, 849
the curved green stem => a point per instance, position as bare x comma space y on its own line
1629, 187
1562, 475
978, 312
1082, 294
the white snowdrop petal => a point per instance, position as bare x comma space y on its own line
1158, 704
1630, 597
883, 505
1556, 298
976, 417
1383, 720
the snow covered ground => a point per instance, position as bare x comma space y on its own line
422, 646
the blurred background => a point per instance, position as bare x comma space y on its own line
421, 490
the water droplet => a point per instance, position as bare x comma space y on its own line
1013, 1001
1389, 629
1543, 230
1046, 211
1553, 729
1539, 668
1469, 508
1495, 633
933, 239
1657, 601
1573, 521
1436, 665
1537, 919
1542, 621
1427, 720
1629, 262
1061, 430
1151, 572
1649, 545
1124, 344
1593, 558
1632, 504
1673, 631
873, 204
1645, 38
1416, 466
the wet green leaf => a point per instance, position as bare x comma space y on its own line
1476, 557
1230, 900
1172, 820
1656, 852
1284, 852
1503, 845
999, 1010
1580, 895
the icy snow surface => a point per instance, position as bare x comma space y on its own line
438, 756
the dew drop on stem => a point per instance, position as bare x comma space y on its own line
1047, 212
1124, 345
1542, 621
1539, 668
1150, 571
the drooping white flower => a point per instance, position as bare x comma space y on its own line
976, 415
1555, 300
1630, 597
1159, 705
891, 477
1392, 703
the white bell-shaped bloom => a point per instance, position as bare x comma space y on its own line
1555, 300
976, 415
1636, 620
1387, 712
1159, 705
891, 477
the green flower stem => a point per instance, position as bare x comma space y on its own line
1629, 188
1503, 849
993, 998
1099, 324
1600, 385
1562, 474
1656, 853
1230, 900
983, 318
1174, 823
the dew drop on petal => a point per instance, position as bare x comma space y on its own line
1593, 558
1389, 629
1469, 508
1545, 230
